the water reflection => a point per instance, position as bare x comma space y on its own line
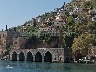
44, 67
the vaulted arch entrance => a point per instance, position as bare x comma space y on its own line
38, 57
48, 57
21, 56
14, 56
29, 57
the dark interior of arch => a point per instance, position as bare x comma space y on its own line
48, 57
38, 57
21, 56
14, 56
29, 56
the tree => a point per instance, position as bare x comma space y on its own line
70, 21
82, 43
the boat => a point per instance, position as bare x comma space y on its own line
9, 66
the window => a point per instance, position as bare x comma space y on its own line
15, 43
57, 26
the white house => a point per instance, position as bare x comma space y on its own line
57, 17
77, 9
58, 24
94, 19
48, 29
93, 10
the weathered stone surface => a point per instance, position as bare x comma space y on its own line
57, 53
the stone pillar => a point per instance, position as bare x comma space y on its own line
33, 58
25, 56
43, 57
18, 57
10, 56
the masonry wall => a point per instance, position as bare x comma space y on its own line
57, 53
6, 38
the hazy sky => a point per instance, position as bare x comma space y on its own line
16, 12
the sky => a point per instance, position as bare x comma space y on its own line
17, 12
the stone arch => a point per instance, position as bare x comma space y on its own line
21, 56
48, 57
29, 56
38, 57
14, 56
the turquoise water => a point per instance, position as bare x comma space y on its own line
45, 67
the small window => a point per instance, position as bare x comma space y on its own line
15, 43
57, 26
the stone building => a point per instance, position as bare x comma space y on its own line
6, 38
9, 38
38, 55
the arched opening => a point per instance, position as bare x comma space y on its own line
14, 56
38, 57
21, 56
48, 57
29, 56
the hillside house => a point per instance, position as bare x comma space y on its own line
86, 10
58, 23
93, 10
48, 31
77, 9
94, 19
38, 19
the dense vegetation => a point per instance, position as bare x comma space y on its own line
78, 34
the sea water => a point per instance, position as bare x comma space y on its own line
9, 66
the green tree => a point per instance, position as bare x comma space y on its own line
82, 43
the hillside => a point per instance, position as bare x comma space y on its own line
73, 25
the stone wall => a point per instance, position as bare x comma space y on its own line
57, 53
6, 39
19, 42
